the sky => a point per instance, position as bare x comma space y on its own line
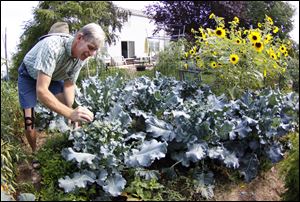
15, 14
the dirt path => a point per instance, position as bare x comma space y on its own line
266, 187
26, 173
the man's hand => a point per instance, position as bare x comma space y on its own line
82, 114
73, 125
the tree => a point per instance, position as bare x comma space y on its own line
194, 14
281, 13
76, 14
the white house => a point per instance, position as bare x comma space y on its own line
136, 40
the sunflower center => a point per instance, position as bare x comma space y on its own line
233, 59
254, 38
219, 32
258, 45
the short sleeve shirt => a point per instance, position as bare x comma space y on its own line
52, 56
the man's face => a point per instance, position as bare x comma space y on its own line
83, 49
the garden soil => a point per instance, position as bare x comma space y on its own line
268, 186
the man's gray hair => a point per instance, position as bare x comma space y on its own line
93, 33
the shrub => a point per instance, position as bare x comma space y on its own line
290, 169
11, 114
240, 59
170, 59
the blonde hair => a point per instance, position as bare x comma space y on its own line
93, 33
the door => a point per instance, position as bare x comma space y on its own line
128, 50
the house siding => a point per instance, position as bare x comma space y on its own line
137, 29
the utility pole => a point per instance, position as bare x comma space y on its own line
6, 59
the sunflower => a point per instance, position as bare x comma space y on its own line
275, 30
259, 25
220, 32
192, 52
282, 49
236, 19
273, 56
185, 66
238, 41
259, 46
234, 58
211, 15
186, 54
202, 36
269, 20
198, 57
267, 38
254, 37
213, 64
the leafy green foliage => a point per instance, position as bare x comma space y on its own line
281, 12
76, 14
129, 130
145, 189
290, 170
170, 59
168, 14
53, 167
239, 58
12, 123
11, 132
10, 155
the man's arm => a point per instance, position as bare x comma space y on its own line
48, 99
69, 92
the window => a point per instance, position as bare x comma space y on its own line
154, 46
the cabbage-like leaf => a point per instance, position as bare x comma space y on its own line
216, 152
203, 183
26, 197
59, 124
204, 178
136, 136
242, 129
214, 103
181, 157
196, 152
172, 100
102, 177
159, 128
147, 174
78, 180
225, 129
69, 154
149, 151
274, 153
117, 113
114, 184
180, 113
249, 165
6, 197
231, 161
